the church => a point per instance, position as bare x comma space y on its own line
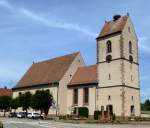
112, 84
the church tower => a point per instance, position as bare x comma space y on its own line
118, 68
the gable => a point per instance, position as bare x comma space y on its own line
46, 72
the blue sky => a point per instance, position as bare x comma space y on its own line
34, 30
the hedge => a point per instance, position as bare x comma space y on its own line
97, 114
81, 111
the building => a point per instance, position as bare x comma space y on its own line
110, 85
5, 92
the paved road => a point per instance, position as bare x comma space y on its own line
26, 123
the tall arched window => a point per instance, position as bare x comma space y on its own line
108, 46
130, 47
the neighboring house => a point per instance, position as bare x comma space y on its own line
5, 92
111, 85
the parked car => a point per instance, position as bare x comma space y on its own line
35, 115
12, 114
22, 115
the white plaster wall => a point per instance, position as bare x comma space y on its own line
116, 100
63, 93
131, 70
130, 36
92, 102
114, 69
129, 92
115, 41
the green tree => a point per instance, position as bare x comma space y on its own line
42, 100
146, 105
5, 103
14, 104
25, 100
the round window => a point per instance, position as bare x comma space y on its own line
108, 58
130, 59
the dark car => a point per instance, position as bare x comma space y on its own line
12, 114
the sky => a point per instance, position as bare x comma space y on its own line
35, 30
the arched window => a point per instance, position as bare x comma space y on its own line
130, 47
108, 58
109, 97
108, 46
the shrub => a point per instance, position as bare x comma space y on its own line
1, 125
113, 117
75, 111
97, 114
83, 112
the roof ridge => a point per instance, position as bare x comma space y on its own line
6, 88
58, 57
87, 66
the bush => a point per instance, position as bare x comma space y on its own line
97, 114
113, 117
62, 117
75, 111
83, 112
1, 125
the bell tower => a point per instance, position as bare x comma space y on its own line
118, 67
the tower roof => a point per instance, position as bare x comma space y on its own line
113, 26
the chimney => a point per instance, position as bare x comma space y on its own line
128, 14
5, 87
116, 17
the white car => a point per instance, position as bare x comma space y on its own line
34, 115
22, 115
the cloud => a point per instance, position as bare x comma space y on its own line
143, 44
54, 24
47, 22
6, 5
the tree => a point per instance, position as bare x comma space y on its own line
25, 100
5, 103
42, 100
14, 104
146, 105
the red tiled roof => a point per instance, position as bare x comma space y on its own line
111, 27
84, 75
5, 92
46, 72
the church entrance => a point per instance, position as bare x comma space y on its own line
132, 110
109, 109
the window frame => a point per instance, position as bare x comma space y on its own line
75, 96
130, 47
108, 47
86, 96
